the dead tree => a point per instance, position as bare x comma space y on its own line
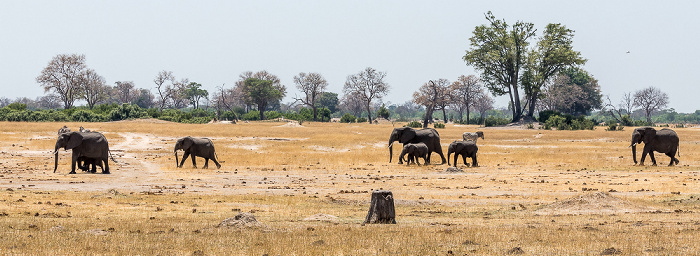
381, 209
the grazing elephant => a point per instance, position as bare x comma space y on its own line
464, 148
201, 147
63, 129
414, 151
91, 145
428, 136
663, 141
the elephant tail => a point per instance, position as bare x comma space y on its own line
110, 156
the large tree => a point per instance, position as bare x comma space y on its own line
499, 52
262, 93
464, 93
312, 85
369, 85
260, 75
650, 100
352, 103
432, 95
94, 88
328, 100
63, 76
195, 93
126, 91
164, 83
552, 54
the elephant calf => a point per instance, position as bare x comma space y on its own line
464, 148
414, 151
201, 147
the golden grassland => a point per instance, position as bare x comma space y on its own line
283, 174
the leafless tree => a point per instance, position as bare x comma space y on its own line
62, 76
312, 85
177, 93
126, 91
463, 94
561, 95
483, 103
164, 83
94, 87
50, 101
650, 100
627, 103
368, 85
4, 101
432, 95
352, 103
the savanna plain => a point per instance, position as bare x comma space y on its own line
536, 192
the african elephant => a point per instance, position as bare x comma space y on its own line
84, 164
414, 151
663, 141
201, 147
428, 136
464, 148
87, 145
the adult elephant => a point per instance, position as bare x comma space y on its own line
428, 136
84, 145
201, 147
663, 141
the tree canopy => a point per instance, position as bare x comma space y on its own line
262, 93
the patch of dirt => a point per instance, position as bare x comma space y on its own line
240, 221
592, 203
321, 217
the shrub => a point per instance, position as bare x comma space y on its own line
253, 115
546, 114
495, 121
347, 118
84, 115
228, 115
415, 124
558, 122
198, 112
361, 120
272, 114
614, 127
439, 126
126, 111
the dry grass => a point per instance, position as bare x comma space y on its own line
284, 174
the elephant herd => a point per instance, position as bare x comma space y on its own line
91, 149
422, 143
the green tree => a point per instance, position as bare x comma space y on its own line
194, 93
329, 100
499, 52
261, 93
552, 53
383, 112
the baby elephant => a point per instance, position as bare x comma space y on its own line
464, 148
415, 151
201, 147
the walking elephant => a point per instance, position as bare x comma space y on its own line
428, 136
464, 148
663, 141
92, 145
201, 147
414, 151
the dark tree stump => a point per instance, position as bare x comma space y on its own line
381, 209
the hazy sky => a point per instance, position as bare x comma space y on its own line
212, 42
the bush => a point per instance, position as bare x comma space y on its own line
495, 121
198, 112
568, 122
228, 115
558, 122
614, 127
84, 115
253, 115
272, 114
439, 126
546, 114
361, 120
347, 118
415, 124
126, 111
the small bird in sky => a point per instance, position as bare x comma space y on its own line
628, 51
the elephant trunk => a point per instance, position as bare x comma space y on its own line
55, 152
449, 152
634, 152
391, 149
177, 162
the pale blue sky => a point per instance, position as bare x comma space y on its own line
212, 42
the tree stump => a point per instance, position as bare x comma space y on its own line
381, 209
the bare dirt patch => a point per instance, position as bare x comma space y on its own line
593, 203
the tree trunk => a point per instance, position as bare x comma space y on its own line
369, 113
467, 115
444, 114
381, 209
428, 116
517, 109
314, 109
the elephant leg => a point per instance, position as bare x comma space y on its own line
401, 157
206, 163
644, 156
73, 161
464, 160
105, 170
653, 160
94, 165
439, 151
194, 162
456, 157
218, 166
184, 157
474, 162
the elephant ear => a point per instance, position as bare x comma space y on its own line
407, 135
74, 140
459, 147
648, 134
187, 142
